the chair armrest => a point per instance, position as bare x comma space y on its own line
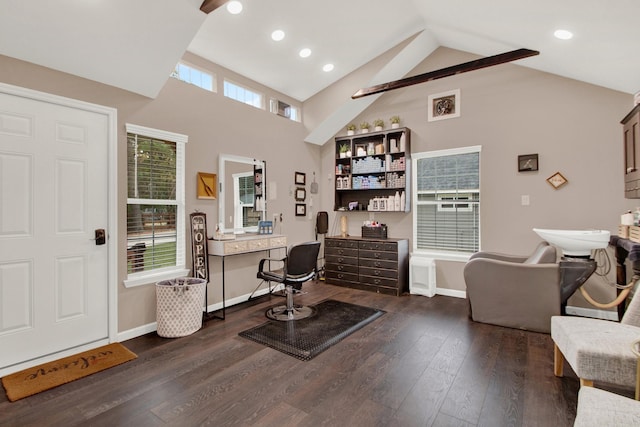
263, 260
499, 257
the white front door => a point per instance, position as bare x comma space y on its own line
54, 176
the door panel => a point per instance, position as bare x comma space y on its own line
54, 194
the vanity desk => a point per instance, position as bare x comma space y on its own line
244, 244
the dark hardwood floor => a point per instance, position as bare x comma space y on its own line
423, 363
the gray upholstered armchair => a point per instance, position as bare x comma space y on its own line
521, 292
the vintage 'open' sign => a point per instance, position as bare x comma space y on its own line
199, 246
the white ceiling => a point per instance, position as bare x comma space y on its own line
134, 44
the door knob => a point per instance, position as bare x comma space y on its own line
101, 236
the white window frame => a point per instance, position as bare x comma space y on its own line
439, 254
179, 270
238, 207
244, 101
176, 74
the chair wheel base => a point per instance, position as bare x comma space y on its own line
283, 314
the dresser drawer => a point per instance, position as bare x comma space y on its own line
341, 251
378, 272
339, 243
277, 242
378, 281
235, 247
258, 244
337, 259
378, 254
379, 246
341, 268
340, 276
379, 263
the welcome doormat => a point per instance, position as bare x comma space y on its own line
49, 375
306, 338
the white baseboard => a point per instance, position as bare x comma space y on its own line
592, 312
451, 293
152, 327
136, 332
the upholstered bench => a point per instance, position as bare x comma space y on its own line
600, 408
599, 350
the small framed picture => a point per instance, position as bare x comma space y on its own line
300, 178
557, 180
527, 163
301, 194
206, 188
444, 105
301, 209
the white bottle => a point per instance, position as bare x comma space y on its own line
396, 202
403, 200
391, 204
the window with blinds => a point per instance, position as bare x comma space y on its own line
447, 200
155, 201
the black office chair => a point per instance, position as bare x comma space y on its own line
298, 267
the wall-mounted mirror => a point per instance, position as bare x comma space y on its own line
241, 199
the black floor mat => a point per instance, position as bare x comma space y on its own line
309, 337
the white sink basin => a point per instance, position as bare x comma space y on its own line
575, 242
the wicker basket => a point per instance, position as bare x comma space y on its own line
634, 234
374, 232
179, 306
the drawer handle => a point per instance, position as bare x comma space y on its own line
377, 281
377, 264
377, 255
376, 272
340, 276
341, 251
340, 267
340, 259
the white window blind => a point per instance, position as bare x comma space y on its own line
155, 201
447, 200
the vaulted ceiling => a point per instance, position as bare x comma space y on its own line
134, 45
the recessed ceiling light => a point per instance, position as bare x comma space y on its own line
327, 67
277, 35
563, 34
234, 7
304, 53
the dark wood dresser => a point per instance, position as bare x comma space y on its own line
378, 265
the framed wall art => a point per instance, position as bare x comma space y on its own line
300, 178
207, 184
557, 180
301, 209
301, 194
527, 163
444, 105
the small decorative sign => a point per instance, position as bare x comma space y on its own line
199, 246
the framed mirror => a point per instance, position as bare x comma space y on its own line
240, 205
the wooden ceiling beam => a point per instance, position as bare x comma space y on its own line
209, 6
448, 71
